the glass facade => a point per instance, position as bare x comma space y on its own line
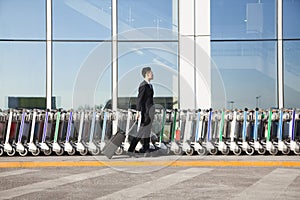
147, 20
244, 52
243, 49
163, 59
81, 20
22, 19
22, 50
291, 52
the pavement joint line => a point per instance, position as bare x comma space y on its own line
177, 163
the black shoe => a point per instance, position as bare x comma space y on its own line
131, 154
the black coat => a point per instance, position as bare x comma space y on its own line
145, 102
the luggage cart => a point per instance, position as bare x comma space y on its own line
294, 124
174, 146
222, 146
188, 128
68, 146
3, 125
19, 145
198, 134
209, 143
234, 132
161, 145
93, 148
257, 130
247, 119
8, 148
129, 123
105, 119
80, 147
270, 145
32, 147
281, 144
58, 133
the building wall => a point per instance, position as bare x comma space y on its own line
204, 53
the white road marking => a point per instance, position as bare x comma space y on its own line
16, 172
270, 186
40, 186
147, 188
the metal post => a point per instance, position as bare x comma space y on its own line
49, 54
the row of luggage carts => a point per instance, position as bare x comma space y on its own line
175, 131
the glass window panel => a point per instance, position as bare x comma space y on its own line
291, 19
248, 71
22, 69
291, 74
243, 19
21, 19
82, 19
81, 78
146, 19
162, 57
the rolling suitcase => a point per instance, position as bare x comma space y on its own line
114, 143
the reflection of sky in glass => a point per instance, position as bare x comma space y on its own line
22, 69
291, 73
77, 19
243, 19
156, 14
248, 70
21, 19
145, 13
291, 19
68, 58
161, 57
244, 66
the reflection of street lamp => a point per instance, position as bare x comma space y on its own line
257, 101
157, 20
130, 19
231, 104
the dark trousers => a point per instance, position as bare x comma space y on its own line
143, 134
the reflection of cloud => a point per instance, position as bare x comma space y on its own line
137, 51
91, 11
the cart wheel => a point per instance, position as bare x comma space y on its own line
60, 152
119, 151
273, 151
95, 152
250, 151
1, 151
202, 152
71, 153
163, 151
286, 151
226, 151
178, 151
297, 152
189, 152
36, 153
84, 152
47, 152
261, 151
213, 151
168, 151
24, 153
237, 151
12, 153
